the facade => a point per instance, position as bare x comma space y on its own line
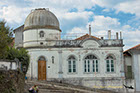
87, 60
132, 66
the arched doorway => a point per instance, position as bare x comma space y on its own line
41, 68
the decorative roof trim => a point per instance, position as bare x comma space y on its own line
18, 28
86, 36
40, 27
135, 47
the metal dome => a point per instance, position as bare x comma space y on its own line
41, 18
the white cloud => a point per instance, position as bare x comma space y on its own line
126, 27
12, 14
101, 22
131, 38
99, 26
74, 19
63, 4
106, 10
126, 6
132, 7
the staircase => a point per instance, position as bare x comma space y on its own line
54, 87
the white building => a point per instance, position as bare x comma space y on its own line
87, 60
132, 67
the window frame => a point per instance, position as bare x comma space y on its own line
41, 34
72, 64
109, 60
89, 67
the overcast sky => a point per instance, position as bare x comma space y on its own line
75, 16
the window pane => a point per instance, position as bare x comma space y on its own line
74, 66
107, 66
108, 70
93, 66
85, 66
69, 62
74, 70
69, 70
112, 66
112, 69
69, 66
96, 65
88, 66
107, 63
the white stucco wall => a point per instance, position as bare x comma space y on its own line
128, 60
32, 38
59, 69
80, 54
9, 65
136, 66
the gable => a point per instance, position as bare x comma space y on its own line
86, 36
90, 44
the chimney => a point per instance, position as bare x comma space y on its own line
109, 34
117, 35
120, 35
89, 30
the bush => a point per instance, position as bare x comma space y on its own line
20, 54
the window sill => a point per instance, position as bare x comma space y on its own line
91, 72
110, 72
72, 73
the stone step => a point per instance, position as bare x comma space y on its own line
55, 87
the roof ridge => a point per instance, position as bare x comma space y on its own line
132, 47
85, 36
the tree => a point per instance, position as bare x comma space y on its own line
5, 39
21, 54
6, 51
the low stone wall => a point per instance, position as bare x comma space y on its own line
113, 84
11, 82
129, 83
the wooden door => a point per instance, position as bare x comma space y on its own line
41, 70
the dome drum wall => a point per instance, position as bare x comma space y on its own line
32, 37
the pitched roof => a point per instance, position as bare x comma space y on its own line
87, 36
20, 27
137, 47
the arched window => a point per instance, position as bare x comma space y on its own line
110, 64
41, 58
91, 64
71, 64
41, 33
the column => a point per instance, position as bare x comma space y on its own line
60, 73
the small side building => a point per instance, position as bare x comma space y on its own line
132, 66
